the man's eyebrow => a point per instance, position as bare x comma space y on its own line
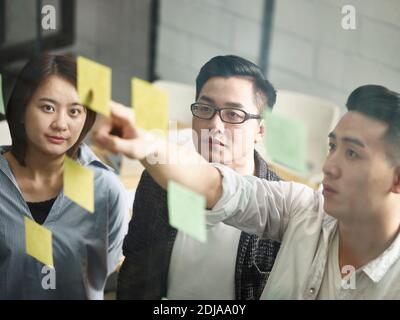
354, 141
234, 105
207, 99
228, 104
348, 140
331, 135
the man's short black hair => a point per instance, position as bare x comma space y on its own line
382, 104
234, 66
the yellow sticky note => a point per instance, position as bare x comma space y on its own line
150, 105
38, 242
94, 85
186, 211
78, 184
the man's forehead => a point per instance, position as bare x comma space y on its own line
229, 92
358, 126
226, 103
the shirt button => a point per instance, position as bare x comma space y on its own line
312, 290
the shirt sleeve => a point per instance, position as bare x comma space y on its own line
259, 206
117, 224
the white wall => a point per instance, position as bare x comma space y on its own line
192, 32
313, 54
115, 33
310, 52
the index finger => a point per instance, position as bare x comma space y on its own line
121, 113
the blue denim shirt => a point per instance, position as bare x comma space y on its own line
86, 246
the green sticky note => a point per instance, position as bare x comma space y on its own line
2, 109
78, 184
286, 141
186, 211
150, 105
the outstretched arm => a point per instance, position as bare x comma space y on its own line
163, 160
251, 204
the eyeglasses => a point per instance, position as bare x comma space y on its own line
228, 115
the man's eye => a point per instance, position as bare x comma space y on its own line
204, 109
352, 153
331, 147
233, 114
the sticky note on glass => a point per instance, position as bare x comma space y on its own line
38, 242
186, 211
2, 109
286, 141
94, 85
78, 184
150, 105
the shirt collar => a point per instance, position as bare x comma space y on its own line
261, 169
377, 268
4, 167
87, 157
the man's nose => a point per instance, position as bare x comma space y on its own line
216, 123
331, 166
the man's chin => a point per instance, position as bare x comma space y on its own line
217, 158
332, 210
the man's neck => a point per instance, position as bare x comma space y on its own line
362, 242
244, 166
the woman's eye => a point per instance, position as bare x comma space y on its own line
48, 108
75, 112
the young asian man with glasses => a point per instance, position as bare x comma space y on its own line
231, 93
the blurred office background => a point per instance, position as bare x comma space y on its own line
300, 44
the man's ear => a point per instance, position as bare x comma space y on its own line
261, 131
396, 181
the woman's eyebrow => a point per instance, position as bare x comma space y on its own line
48, 100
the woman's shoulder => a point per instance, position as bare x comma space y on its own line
86, 157
103, 173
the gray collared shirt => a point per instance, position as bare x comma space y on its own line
86, 246
293, 214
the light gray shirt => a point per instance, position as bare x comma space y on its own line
293, 214
189, 275
331, 285
86, 246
